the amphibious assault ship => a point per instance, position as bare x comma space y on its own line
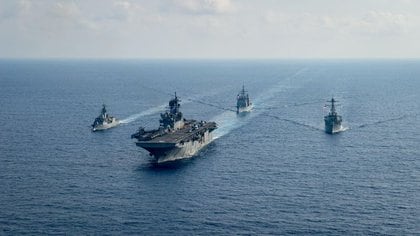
332, 120
242, 102
176, 137
104, 121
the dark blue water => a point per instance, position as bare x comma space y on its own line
272, 172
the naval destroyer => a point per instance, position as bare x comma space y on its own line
332, 120
242, 102
176, 137
104, 121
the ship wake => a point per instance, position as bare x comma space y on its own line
229, 120
147, 112
343, 128
402, 117
309, 126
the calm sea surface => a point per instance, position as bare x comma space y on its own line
273, 171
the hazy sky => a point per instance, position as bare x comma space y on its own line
210, 28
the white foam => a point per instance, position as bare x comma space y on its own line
147, 112
343, 128
228, 120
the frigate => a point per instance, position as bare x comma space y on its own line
242, 102
332, 120
104, 121
176, 137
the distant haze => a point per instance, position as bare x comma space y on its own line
210, 28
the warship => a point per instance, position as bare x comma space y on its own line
332, 120
242, 102
176, 137
104, 121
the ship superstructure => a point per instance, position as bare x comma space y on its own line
332, 120
242, 101
104, 121
176, 137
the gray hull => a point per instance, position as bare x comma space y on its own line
333, 128
105, 125
333, 120
164, 152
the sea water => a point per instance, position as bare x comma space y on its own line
272, 171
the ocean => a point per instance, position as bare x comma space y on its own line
272, 171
